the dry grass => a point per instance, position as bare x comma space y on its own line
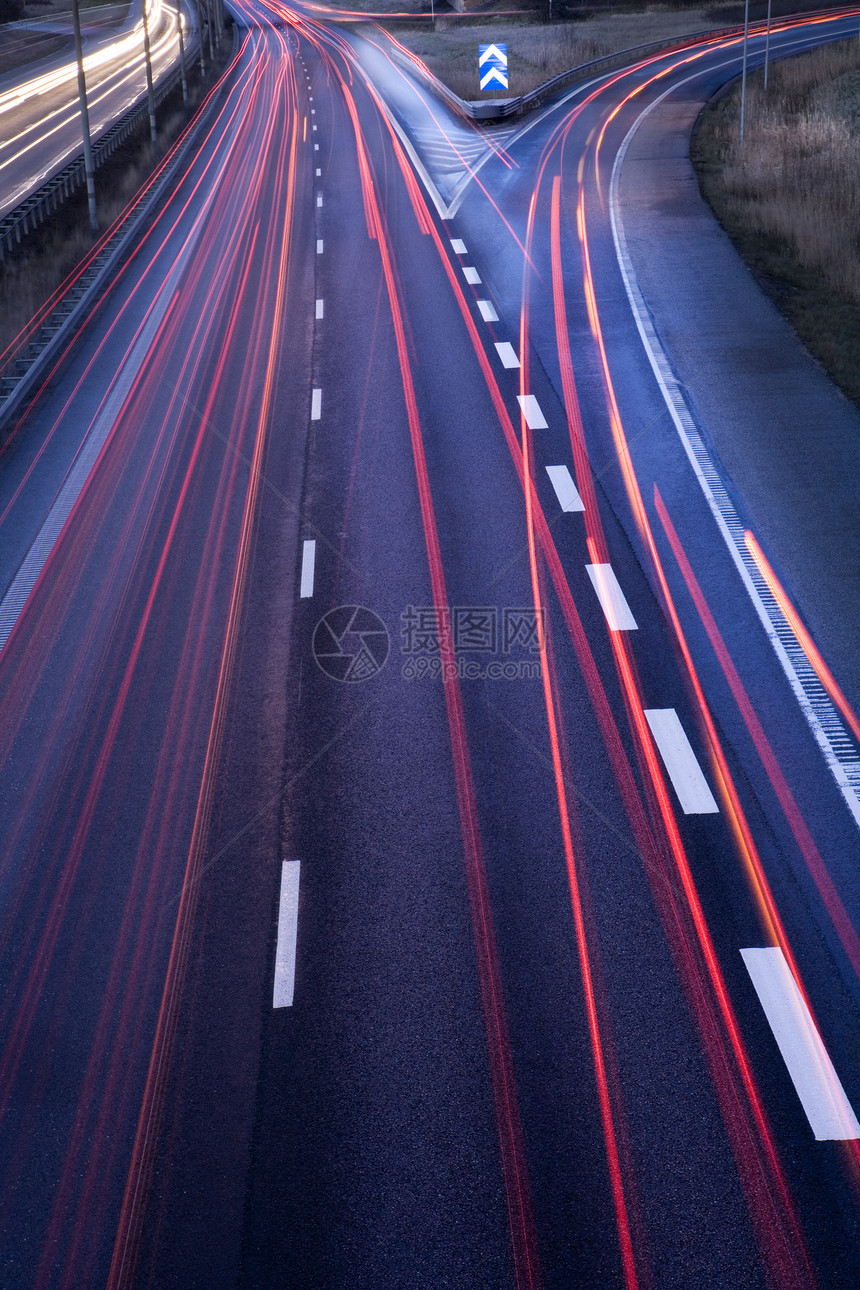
537, 52
790, 196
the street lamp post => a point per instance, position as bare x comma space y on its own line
182, 75
150, 93
744, 74
89, 167
200, 39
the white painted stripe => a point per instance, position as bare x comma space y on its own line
313, 127
459, 246
565, 489
288, 929
488, 313
316, 147
507, 353
316, 405
818, 1086
319, 309
309, 555
611, 598
680, 761
319, 199
319, 172
531, 410
471, 275
319, 246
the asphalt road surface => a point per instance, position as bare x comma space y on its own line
430, 840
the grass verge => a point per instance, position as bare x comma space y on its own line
47, 256
538, 51
789, 197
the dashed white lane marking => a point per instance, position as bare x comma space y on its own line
313, 127
680, 761
531, 410
565, 489
288, 928
319, 172
316, 405
319, 309
319, 246
313, 111
316, 147
611, 598
319, 199
812, 1072
488, 313
471, 275
459, 246
309, 555
507, 353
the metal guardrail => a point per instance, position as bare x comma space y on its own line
500, 109
33, 210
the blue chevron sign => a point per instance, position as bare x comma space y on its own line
493, 66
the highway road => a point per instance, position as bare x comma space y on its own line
430, 839
40, 122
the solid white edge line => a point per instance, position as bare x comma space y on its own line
309, 551
488, 313
723, 511
531, 410
681, 763
288, 929
612, 599
565, 489
507, 354
316, 405
813, 1075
